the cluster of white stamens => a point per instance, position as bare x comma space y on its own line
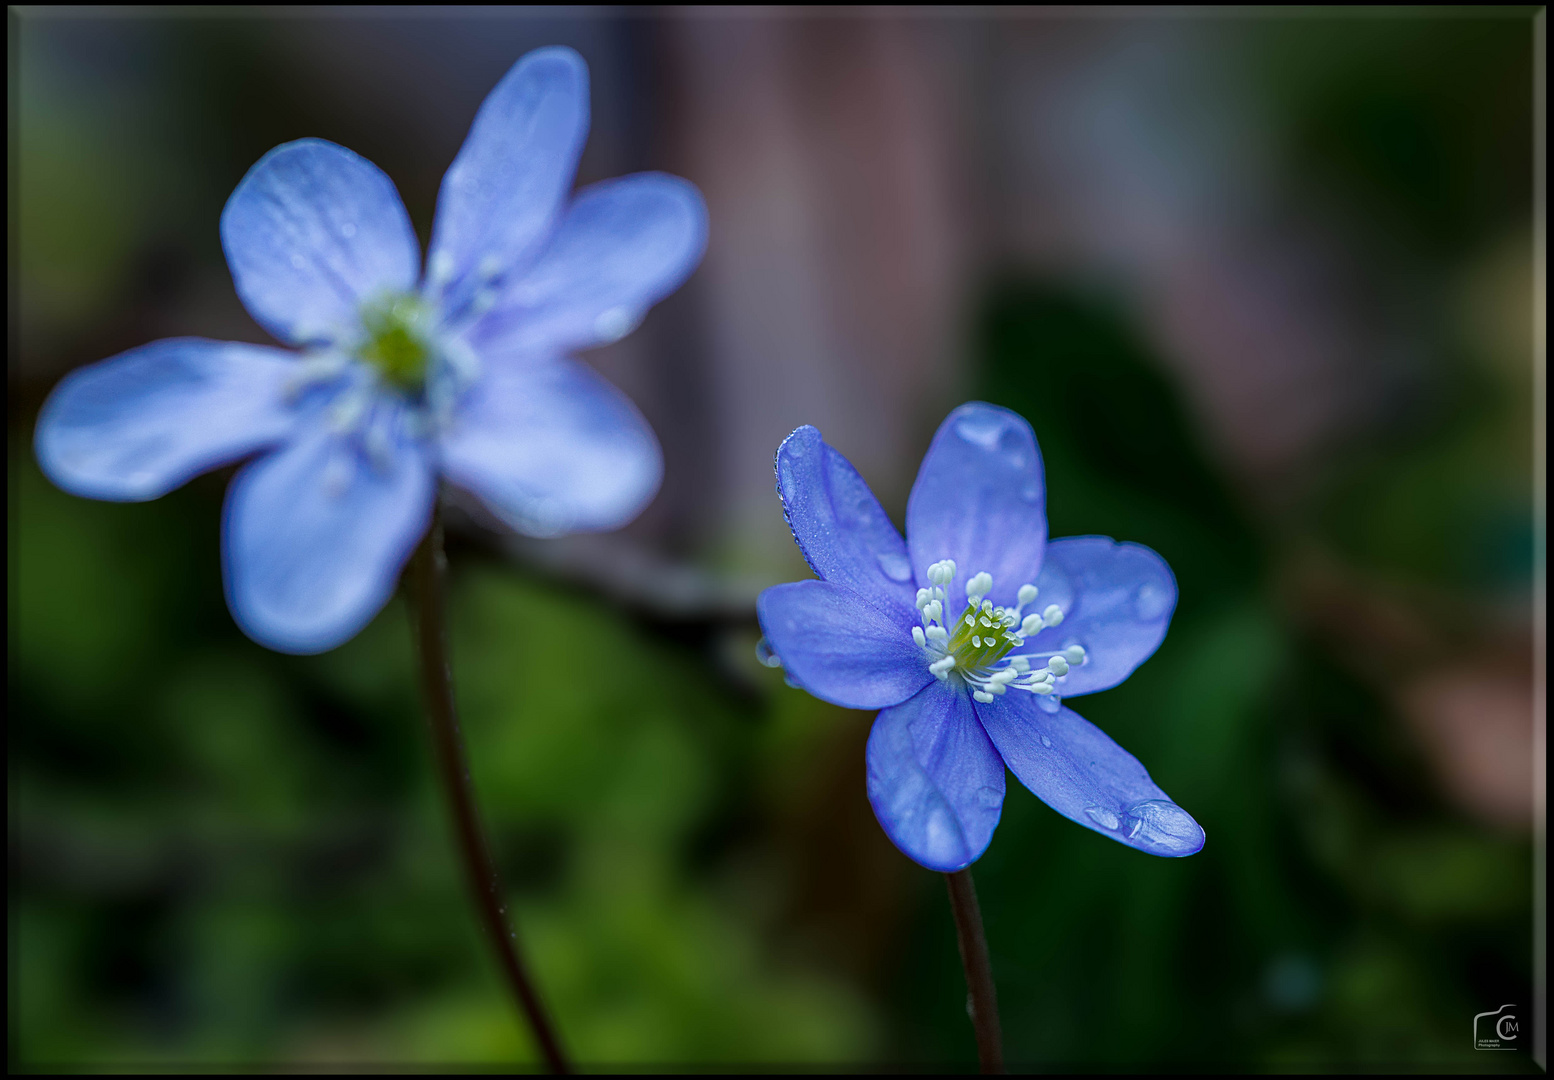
975, 646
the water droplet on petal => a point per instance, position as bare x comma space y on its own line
941, 836
990, 798
895, 567
1103, 817
1151, 602
981, 429
1163, 828
766, 654
1046, 742
614, 324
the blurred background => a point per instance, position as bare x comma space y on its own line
1263, 286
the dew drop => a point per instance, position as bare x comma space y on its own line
1046, 742
1103, 817
895, 567
766, 654
1151, 602
1163, 828
941, 836
614, 324
981, 429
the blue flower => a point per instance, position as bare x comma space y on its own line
967, 636
400, 379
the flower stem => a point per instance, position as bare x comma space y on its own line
428, 581
981, 1001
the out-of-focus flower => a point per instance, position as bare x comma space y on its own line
968, 687
400, 379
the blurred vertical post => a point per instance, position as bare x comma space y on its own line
428, 579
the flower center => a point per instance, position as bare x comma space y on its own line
396, 343
975, 646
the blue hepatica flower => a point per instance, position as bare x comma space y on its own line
967, 636
400, 379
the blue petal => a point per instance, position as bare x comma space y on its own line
980, 499
503, 193
311, 232
622, 246
935, 781
552, 448
1075, 768
137, 425
1117, 601
840, 647
315, 535
839, 525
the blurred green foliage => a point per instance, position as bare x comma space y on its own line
224, 855
232, 855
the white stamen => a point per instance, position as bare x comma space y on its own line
942, 667
1074, 654
980, 696
937, 634
1031, 625
1052, 615
978, 587
1027, 594
1058, 666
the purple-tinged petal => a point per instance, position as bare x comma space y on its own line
838, 523
311, 232
315, 535
552, 448
503, 193
1075, 768
840, 647
935, 781
137, 425
1116, 600
622, 246
980, 499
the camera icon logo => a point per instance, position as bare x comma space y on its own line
1496, 1030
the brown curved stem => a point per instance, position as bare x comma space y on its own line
428, 581
981, 1000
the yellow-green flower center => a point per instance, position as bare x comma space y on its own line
973, 648
396, 342
981, 637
